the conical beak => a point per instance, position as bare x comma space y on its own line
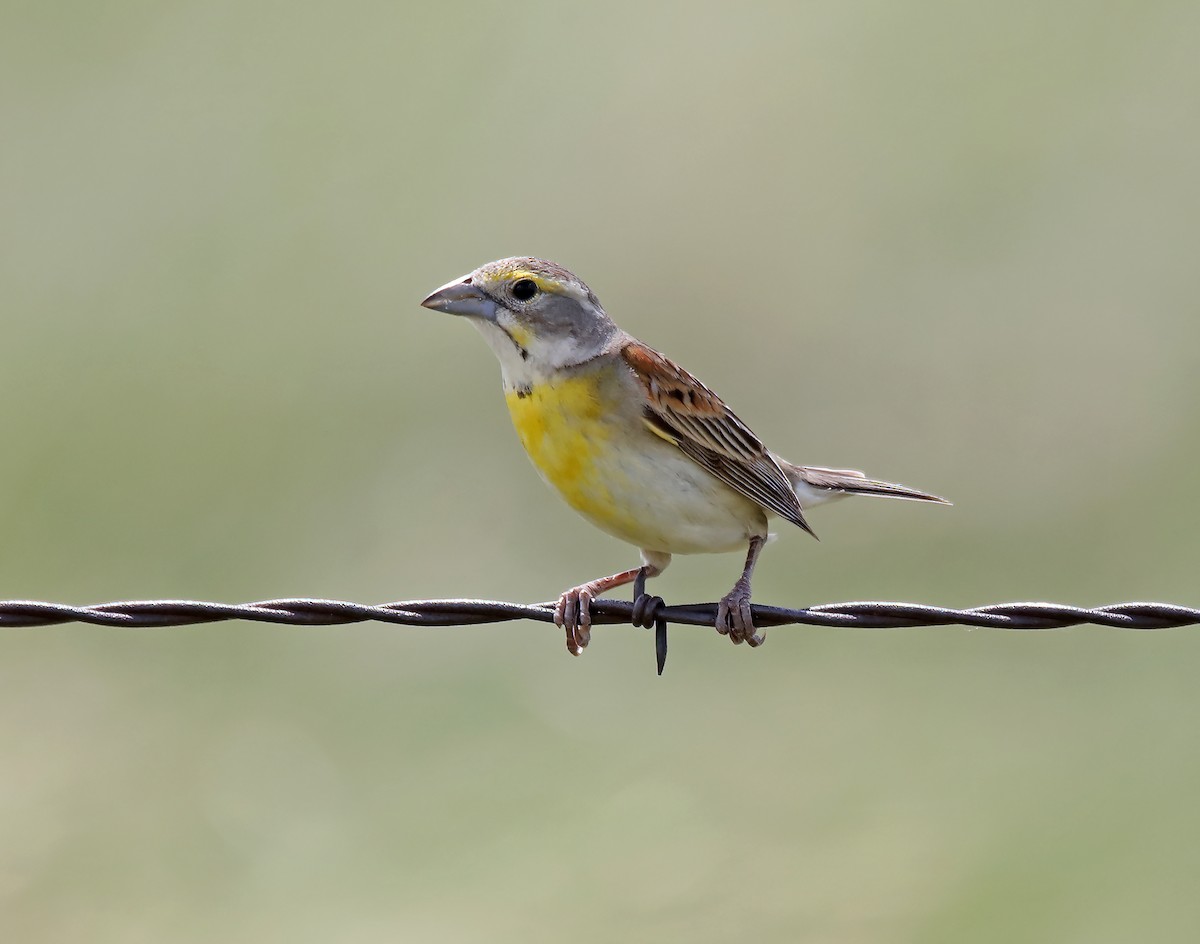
460, 297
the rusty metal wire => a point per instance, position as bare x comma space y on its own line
855, 615
142, 614
645, 611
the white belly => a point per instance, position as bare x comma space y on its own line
664, 502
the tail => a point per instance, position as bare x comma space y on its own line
814, 485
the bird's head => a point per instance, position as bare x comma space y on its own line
530, 311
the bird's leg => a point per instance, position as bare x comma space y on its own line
573, 611
733, 612
573, 614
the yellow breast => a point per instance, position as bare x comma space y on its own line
626, 481
564, 425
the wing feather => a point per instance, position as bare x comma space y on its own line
681, 409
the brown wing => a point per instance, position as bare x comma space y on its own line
684, 411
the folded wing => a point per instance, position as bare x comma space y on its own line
680, 409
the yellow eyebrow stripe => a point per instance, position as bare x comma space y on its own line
546, 285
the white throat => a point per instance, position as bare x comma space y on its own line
516, 370
541, 357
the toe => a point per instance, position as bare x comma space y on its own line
584, 630
723, 617
566, 618
746, 622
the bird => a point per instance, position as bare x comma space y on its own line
632, 441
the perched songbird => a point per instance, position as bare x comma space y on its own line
631, 440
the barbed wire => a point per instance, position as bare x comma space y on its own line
142, 614
647, 611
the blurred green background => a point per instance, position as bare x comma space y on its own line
952, 244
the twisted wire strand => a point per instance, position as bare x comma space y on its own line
149, 614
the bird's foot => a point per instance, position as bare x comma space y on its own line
573, 615
734, 618
573, 612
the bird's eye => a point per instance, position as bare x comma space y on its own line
524, 289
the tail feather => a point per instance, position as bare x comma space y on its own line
814, 484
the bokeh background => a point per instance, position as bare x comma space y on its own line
952, 244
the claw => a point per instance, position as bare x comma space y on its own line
573, 615
723, 616
583, 631
735, 620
